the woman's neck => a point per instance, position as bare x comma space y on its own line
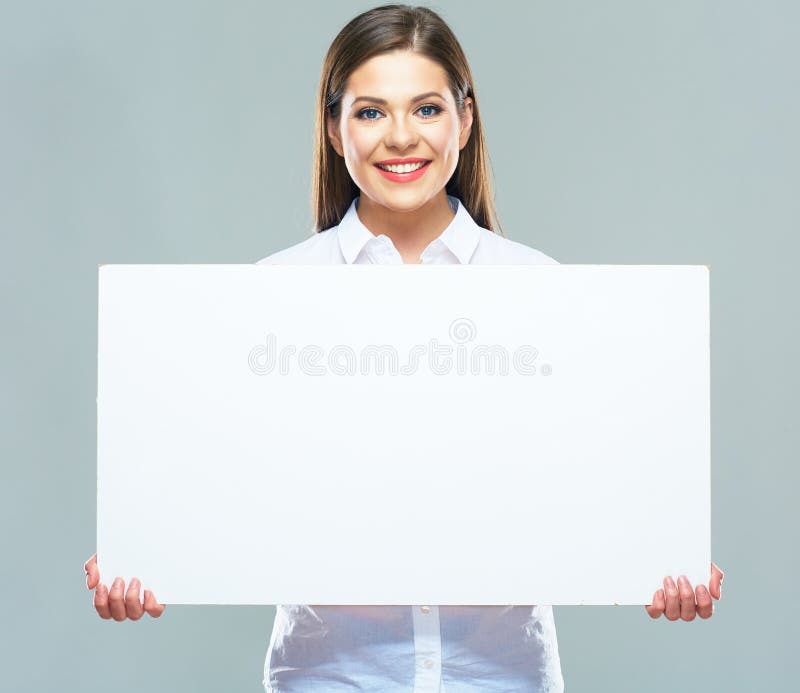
411, 232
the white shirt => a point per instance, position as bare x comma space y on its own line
417, 648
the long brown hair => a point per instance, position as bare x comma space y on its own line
381, 30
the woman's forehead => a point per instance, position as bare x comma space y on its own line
398, 76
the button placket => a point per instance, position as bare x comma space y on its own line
427, 649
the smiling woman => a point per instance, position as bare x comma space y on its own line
398, 122
401, 176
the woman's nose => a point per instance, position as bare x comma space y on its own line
400, 134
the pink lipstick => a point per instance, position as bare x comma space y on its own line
403, 177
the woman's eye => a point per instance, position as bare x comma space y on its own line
363, 111
436, 110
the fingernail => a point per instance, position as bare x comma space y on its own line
135, 583
683, 580
117, 583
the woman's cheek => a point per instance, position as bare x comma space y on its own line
356, 160
447, 143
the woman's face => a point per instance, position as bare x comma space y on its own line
399, 106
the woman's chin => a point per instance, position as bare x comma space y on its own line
405, 200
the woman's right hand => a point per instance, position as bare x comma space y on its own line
111, 604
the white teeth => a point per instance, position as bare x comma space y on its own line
402, 168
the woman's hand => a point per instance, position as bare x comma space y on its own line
680, 599
111, 604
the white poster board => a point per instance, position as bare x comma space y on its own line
539, 434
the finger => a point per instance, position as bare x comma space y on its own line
101, 601
151, 606
661, 601
715, 584
705, 607
92, 572
653, 609
133, 606
115, 602
673, 607
686, 593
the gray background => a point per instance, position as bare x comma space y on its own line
180, 132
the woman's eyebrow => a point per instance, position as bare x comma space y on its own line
375, 99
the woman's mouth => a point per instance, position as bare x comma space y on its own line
403, 173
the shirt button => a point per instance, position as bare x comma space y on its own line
425, 609
428, 663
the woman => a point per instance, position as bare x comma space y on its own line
401, 176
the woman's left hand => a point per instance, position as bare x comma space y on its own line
682, 601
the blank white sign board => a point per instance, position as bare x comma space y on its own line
409, 434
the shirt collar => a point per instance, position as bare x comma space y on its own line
460, 236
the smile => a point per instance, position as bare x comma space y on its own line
403, 173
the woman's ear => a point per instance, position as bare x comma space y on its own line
466, 123
333, 134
